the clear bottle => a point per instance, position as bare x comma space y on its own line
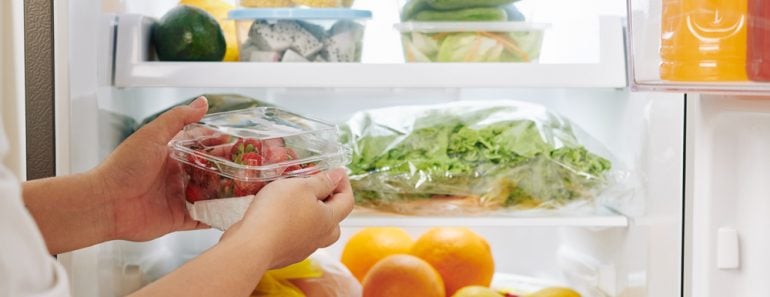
758, 54
703, 40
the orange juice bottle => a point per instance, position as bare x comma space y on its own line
703, 40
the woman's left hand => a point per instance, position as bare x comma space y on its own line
143, 184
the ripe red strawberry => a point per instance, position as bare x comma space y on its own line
243, 188
244, 146
193, 193
252, 159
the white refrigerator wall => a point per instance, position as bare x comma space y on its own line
728, 239
644, 130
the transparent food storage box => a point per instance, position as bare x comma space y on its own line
300, 35
234, 154
471, 41
295, 3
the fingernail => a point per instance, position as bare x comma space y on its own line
199, 103
336, 175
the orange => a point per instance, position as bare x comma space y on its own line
462, 257
370, 245
403, 276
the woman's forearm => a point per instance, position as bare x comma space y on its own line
231, 268
70, 211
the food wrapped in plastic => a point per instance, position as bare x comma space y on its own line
228, 157
318, 276
471, 157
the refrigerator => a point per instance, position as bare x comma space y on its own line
695, 224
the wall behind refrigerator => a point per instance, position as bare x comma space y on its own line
12, 83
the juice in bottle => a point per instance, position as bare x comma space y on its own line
758, 59
703, 40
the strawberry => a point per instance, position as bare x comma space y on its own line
252, 159
244, 188
244, 146
193, 193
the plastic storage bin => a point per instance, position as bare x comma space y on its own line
234, 154
471, 41
293, 3
300, 35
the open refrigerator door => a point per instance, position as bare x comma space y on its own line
628, 243
714, 52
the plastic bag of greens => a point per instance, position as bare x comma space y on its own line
471, 157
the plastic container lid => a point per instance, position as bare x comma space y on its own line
299, 14
208, 145
435, 27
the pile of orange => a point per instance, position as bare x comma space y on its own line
442, 261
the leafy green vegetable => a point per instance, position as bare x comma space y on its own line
520, 162
459, 4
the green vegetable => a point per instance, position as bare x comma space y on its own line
187, 33
516, 162
459, 4
411, 8
483, 14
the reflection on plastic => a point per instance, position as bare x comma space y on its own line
703, 40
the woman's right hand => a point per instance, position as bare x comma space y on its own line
291, 218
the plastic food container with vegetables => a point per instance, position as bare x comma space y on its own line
468, 31
300, 35
228, 157
471, 41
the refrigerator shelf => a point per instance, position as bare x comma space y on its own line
364, 218
736, 88
134, 68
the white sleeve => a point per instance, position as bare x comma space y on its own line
26, 268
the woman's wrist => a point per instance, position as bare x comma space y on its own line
70, 211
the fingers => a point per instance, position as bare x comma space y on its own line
167, 125
323, 185
341, 203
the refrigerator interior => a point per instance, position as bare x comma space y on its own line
631, 249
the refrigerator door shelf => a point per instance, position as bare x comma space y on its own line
134, 68
645, 26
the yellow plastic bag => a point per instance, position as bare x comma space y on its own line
318, 276
277, 282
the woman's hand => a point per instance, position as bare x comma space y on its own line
295, 216
288, 220
136, 194
143, 184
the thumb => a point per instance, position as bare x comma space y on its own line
324, 184
168, 124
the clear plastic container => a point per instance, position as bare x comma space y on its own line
295, 3
703, 40
758, 55
471, 41
234, 154
300, 35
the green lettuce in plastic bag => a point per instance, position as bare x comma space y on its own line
468, 157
